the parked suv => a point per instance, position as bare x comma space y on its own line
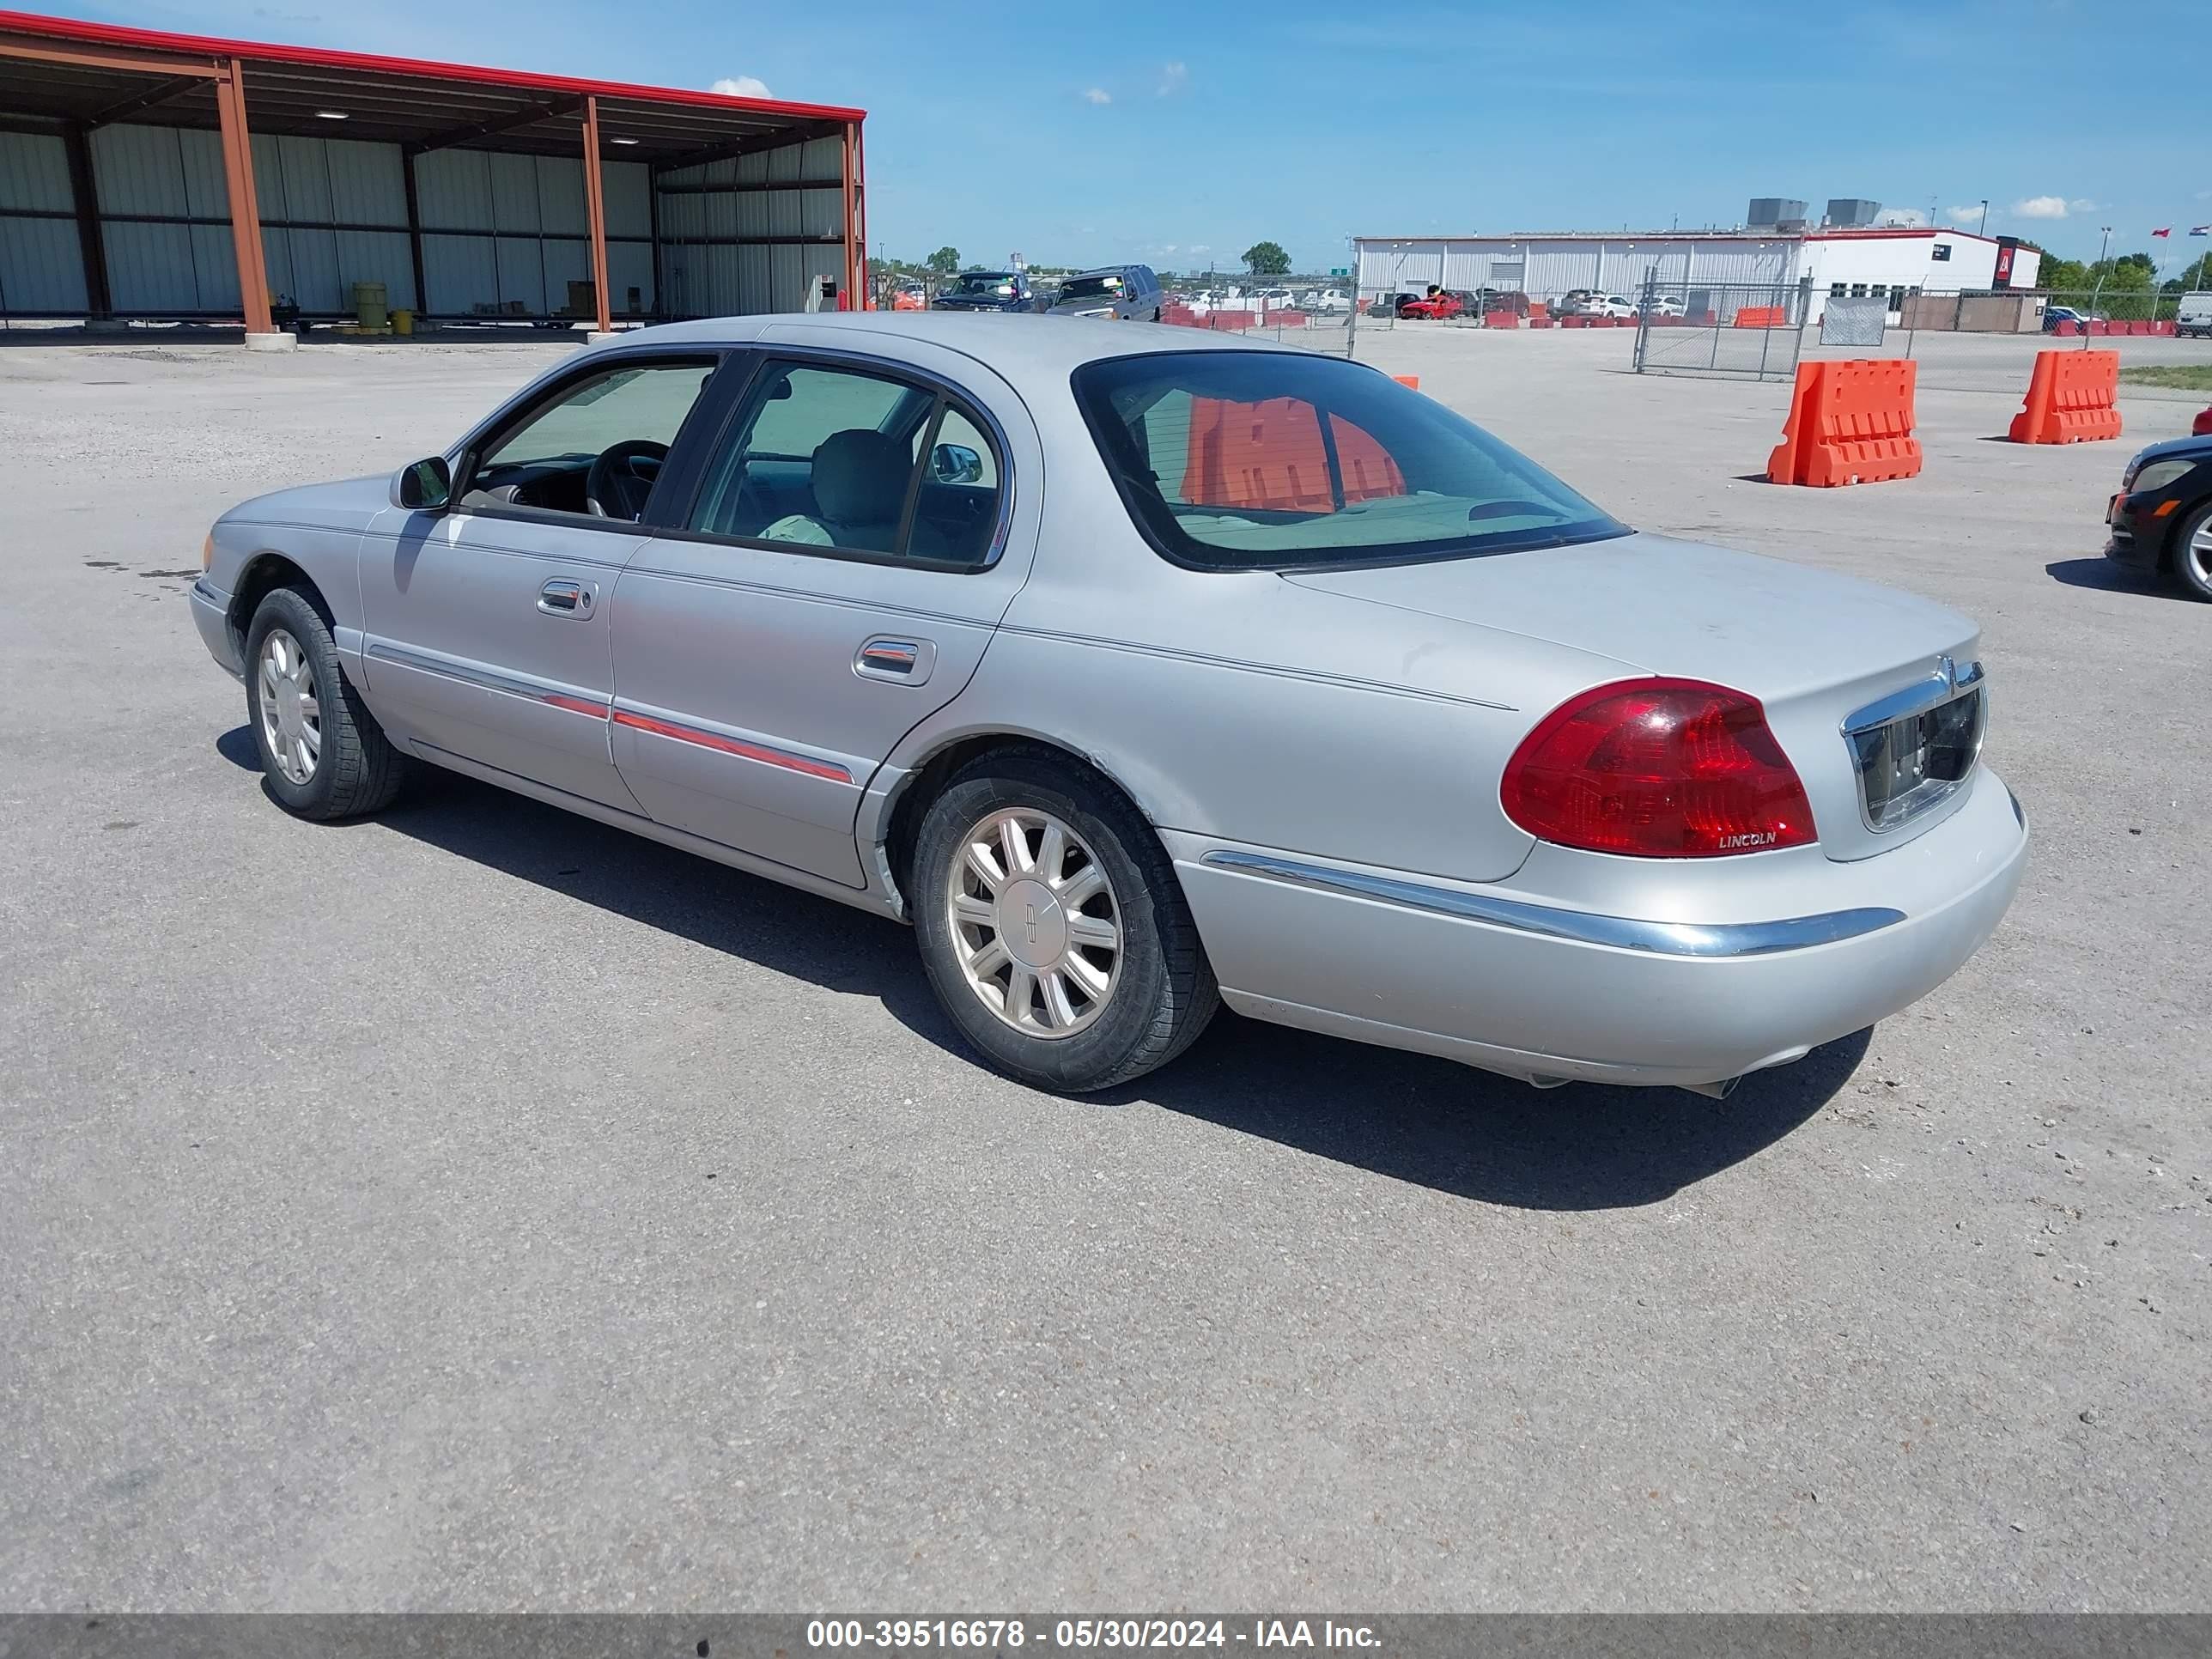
989, 290
1124, 291
2194, 316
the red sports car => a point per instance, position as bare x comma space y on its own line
1434, 307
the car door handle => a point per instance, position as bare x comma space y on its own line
565, 599
907, 662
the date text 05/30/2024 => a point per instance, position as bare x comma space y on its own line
1072, 1634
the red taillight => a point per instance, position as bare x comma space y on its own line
1657, 769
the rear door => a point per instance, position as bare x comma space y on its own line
854, 537
486, 626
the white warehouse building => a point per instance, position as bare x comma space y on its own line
1547, 265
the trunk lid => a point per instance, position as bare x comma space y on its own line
1813, 647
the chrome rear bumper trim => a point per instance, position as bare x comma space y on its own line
1669, 939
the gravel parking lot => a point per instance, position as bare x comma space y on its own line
479, 1208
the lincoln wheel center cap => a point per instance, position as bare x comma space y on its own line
1032, 923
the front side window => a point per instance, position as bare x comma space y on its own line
837, 459
1272, 460
597, 447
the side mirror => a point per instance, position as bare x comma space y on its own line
956, 464
425, 486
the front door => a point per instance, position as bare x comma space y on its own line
486, 624
852, 542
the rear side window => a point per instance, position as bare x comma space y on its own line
1270, 460
825, 458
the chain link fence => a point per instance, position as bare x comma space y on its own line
1317, 313
1742, 330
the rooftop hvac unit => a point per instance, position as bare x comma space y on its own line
1770, 212
1850, 212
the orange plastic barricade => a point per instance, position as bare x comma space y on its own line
1850, 422
1271, 456
1412, 381
2070, 398
1760, 317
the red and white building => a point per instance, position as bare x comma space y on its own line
1873, 261
1836, 261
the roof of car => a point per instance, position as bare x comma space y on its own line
1014, 345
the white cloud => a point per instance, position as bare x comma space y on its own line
2041, 207
2078, 205
1966, 215
741, 86
1202, 247
1173, 77
1097, 96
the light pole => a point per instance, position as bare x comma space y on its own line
1983, 228
2096, 292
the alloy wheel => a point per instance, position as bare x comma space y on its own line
291, 718
1035, 923
2199, 551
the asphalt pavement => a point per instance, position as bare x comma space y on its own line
478, 1208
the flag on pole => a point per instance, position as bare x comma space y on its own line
2200, 230
2163, 230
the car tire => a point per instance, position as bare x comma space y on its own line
2191, 551
1158, 989
323, 754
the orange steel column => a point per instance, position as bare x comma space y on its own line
860, 203
245, 208
856, 259
595, 205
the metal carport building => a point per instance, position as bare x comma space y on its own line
131, 160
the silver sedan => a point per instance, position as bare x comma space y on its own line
1141, 672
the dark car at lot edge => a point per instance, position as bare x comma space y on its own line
989, 290
2162, 519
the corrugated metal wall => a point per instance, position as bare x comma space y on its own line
41, 266
333, 213
501, 233
727, 251
534, 208
165, 220
1548, 267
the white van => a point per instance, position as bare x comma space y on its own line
2194, 316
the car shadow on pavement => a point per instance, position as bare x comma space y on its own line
1409, 1117
2109, 577
1438, 1124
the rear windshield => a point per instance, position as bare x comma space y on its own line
985, 282
1289, 460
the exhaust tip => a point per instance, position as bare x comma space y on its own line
1720, 1091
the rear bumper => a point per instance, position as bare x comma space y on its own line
1486, 974
211, 615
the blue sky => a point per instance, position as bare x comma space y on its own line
1084, 130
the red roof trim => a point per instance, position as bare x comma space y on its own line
1623, 237
1894, 231
112, 34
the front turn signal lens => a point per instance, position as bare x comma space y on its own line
207, 554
